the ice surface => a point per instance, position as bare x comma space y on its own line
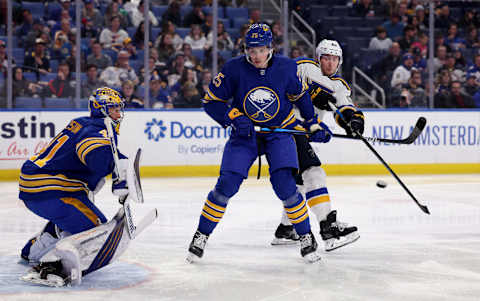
403, 254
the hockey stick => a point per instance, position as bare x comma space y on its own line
422, 207
122, 200
419, 126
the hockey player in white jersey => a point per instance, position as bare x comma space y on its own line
312, 73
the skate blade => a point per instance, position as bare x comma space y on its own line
191, 258
333, 244
312, 257
283, 242
52, 280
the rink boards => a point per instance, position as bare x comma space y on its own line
189, 143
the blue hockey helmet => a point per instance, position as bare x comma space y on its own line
257, 35
102, 99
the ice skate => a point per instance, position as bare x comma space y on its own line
308, 247
336, 234
48, 274
195, 250
285, 235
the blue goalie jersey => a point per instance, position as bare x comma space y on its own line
74, 161
266, 96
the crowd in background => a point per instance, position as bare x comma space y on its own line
180, 45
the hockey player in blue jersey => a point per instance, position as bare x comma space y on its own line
58, 184
329, 59
263, 87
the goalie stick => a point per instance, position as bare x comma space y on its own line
131, 227
422, 207
419, 126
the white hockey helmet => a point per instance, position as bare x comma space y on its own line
330, 47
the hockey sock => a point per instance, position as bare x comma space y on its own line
212, 212
285, 220
297, 213
319, 202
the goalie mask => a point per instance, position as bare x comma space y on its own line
104, 99
330, 47
258, 35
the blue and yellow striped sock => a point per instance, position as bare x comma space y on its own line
298, 214
212, 212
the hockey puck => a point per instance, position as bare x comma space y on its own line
381, 184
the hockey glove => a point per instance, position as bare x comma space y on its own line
242, 126
320, 131
119, 182
356, 123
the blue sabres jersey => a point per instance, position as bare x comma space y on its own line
75, 160
263, 95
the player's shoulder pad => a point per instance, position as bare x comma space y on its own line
305, 60
340, 79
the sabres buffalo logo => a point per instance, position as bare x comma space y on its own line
261, 104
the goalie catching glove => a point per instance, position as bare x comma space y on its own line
320, 131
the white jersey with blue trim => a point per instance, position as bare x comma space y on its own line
311, 74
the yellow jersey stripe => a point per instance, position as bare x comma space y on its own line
82, 208
47, 188
210, 96
48, 182
310, 61
341, 80
88, 150
318, 200
81, 147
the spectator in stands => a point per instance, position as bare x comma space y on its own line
472, 40
204, 81
277, 31
456, 99
139, 37
363, 8
188, 97
469, 19
61, 43
131, 100
22, 87
172, 14
295, 52
422, 20
224, 41
188, 75
97, 58
61, 86
3, 58
440, 59
90, 13
129, 47
401, 74
419, 62
380, 41
190, 60
92, 82
453, 40
394, 27
207, 26
386, 66
408, 38
412, 94
33, 34
443, 18
113, 36
402, 12
55, 13
240, 42
113, 76
89, 30
169, 27
255, 16
456, 73
196, 16
471, 87
422, 44
475, 68
165, 48
176, 69
71, 60
136, 16
159, 95
152, 69
196, 38
38, 61
460, 62
113, 9
27, 24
